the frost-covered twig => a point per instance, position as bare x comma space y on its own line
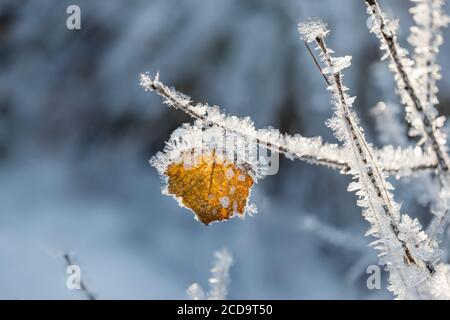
219, 280
441, 215
420, 115
313, 150
417, 89
403, 246
426, 37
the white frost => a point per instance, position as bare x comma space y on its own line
229, 173
310, 30
225, 202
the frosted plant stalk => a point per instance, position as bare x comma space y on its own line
426, 38
419, 115
313, 150
403, 246
219, 280
68, 259
417, 89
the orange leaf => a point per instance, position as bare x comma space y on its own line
213, 189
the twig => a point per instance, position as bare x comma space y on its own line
399, 236
316, 63
413, 105
426, 37
219, 280
88, 293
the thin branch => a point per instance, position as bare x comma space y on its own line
329, 234
415, 104
316, 63
219, 280
397, 162
88, 293
389, 37
364, 154
426, 37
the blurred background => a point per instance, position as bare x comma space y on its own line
77, 131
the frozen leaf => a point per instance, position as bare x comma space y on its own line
206, 189
206, 173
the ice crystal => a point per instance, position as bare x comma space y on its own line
309, 149
312, 29
420, 113
219, 280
